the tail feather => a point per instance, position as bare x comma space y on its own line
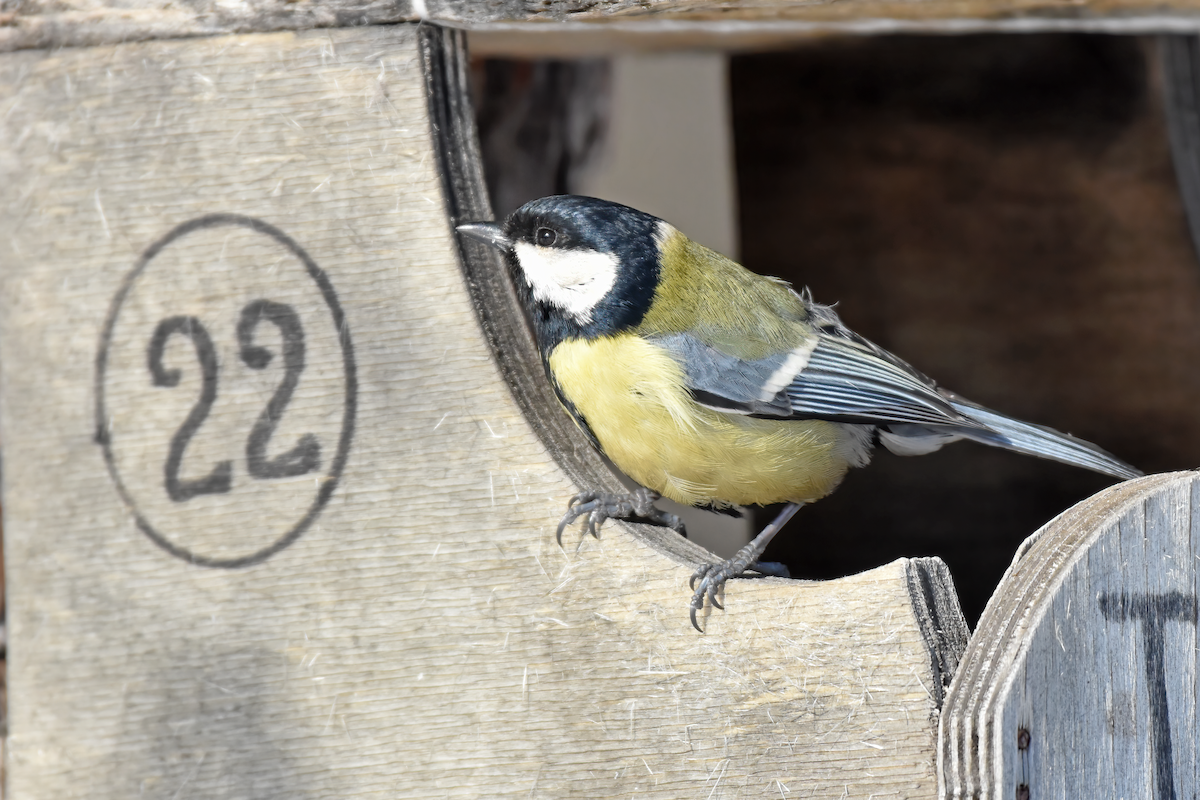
1036, 440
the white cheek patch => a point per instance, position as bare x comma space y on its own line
573, 280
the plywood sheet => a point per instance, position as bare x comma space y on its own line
276, 527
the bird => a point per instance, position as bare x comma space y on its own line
717, 387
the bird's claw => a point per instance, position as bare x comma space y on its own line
599, 507
589, 504
713, 577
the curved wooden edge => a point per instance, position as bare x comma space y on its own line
444, 51
966, 749
940, 618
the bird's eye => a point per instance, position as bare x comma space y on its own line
546, 237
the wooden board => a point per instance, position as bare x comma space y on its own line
1081, 679
572, 27
198, 232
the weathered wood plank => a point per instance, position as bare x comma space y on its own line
593, 25
178, 628
1081, 678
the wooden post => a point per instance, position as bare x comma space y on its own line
1081, 678
282, 475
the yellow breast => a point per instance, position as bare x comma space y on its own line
633, 397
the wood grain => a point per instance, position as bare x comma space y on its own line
620, 23
423, 636
1082, 673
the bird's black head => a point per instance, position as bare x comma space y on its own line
583, 267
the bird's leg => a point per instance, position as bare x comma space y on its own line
635, 506
712, 577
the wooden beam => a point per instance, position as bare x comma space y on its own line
570, 27
358, 593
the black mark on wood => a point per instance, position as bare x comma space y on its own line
1154, 611
221, 477
305, 457
304, 454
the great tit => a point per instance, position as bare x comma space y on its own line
714, 386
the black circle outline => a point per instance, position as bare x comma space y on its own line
330, 482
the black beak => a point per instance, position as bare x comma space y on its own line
487, 232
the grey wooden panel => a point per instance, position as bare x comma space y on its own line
1081, 678
422, 635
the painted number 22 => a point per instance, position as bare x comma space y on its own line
305, 457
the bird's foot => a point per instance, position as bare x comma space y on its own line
635, 506
709, 581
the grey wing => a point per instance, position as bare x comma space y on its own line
841, 377
728, 383
836, 376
